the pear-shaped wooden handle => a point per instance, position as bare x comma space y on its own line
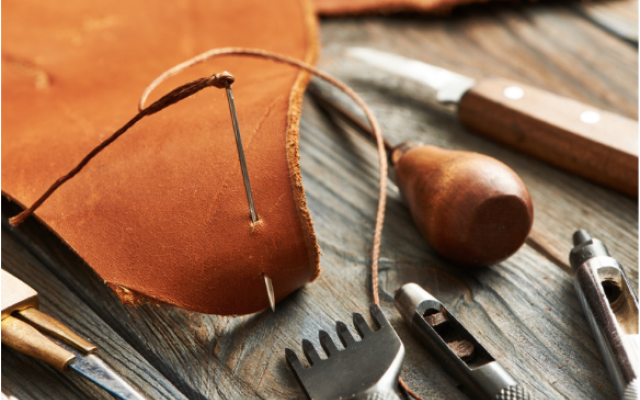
473, 209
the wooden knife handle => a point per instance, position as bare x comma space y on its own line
598, 145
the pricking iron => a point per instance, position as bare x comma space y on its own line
451, 343
367, 369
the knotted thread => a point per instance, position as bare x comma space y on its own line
223, 80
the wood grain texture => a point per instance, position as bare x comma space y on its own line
620, 17
552, 129
524, 310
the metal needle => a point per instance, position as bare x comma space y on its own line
272, 296
243, 163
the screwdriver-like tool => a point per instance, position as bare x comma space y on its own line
36, 334
481, 376
611, 307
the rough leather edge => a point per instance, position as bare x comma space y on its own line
132, 298
394, 7
293, 135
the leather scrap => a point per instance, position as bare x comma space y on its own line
162, 213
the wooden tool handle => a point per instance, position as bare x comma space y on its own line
592, 143
28, 340
23, 326
472, 208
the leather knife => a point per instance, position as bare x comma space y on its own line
581, 139
36, 334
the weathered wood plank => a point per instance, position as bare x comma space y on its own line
27, 378
548, 46
620, 17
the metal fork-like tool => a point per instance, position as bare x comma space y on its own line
367, 369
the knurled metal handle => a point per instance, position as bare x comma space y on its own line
516, 392
377, 396
632, 392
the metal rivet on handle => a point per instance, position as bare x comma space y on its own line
513, 93
590, 117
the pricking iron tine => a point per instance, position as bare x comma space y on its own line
378, 317
361, 325
344, 334
327, 344
243, 162
310, 352
293, 360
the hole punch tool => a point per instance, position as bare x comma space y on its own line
34, 333
611, 307
481, 376
367, 369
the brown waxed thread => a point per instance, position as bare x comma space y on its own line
191, 88
346, 89
221, 80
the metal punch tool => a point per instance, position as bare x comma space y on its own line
611, 307
459, 352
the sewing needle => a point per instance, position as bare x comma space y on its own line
243, 163
272, 296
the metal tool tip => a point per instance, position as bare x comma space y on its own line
270, 293
408, 298
580, 236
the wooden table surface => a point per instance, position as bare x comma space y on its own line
524, 310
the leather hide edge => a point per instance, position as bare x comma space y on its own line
293, 136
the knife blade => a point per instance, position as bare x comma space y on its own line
581, 139
93, 368
36, 334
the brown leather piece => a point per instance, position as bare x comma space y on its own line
353, 7
162, 211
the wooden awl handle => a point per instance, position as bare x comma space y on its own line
598, 145
472, 208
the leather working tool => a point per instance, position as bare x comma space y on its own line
451, 343
595, 144
247, 185
611, 307
243, 162
472, 208
367, 369
34, 333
